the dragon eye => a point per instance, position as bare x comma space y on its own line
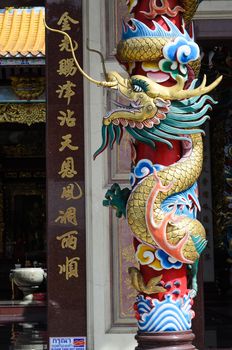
137, 88
139, 85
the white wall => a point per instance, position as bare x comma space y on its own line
98, 240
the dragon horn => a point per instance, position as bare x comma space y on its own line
177, 91
200, 90
109, 84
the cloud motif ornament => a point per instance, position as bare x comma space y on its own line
166, 261
181, 50
145, 255
143, 168
173, 68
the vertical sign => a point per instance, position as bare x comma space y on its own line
65, 178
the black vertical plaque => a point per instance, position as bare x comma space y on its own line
66, 290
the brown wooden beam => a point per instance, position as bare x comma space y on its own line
66, 235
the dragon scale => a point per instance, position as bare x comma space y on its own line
190, 7
182, 175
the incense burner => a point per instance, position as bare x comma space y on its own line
28, 280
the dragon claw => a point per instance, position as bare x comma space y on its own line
117, 198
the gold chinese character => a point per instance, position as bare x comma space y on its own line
68, 192
67, 67
68, 216
64, 21
67, 140
67, 118
68, 240
66, 91
70, 268
67, 168
65, 45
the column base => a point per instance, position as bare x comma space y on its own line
165, 341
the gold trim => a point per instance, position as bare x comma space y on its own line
28, 88
23, 113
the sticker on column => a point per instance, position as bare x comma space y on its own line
67, 343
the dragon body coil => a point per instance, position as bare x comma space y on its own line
190, 7
182, 176
141, 49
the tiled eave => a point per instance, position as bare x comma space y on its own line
22, 35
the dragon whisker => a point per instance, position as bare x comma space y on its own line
179, 131
168, 136
190, 116
137, 135
188, 124
110, 134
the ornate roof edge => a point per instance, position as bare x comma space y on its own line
22, 33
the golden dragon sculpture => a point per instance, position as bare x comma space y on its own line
150, 116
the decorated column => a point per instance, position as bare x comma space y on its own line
165, 108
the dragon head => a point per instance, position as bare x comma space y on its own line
142, 108
155, 112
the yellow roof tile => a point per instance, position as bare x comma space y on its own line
22, 32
